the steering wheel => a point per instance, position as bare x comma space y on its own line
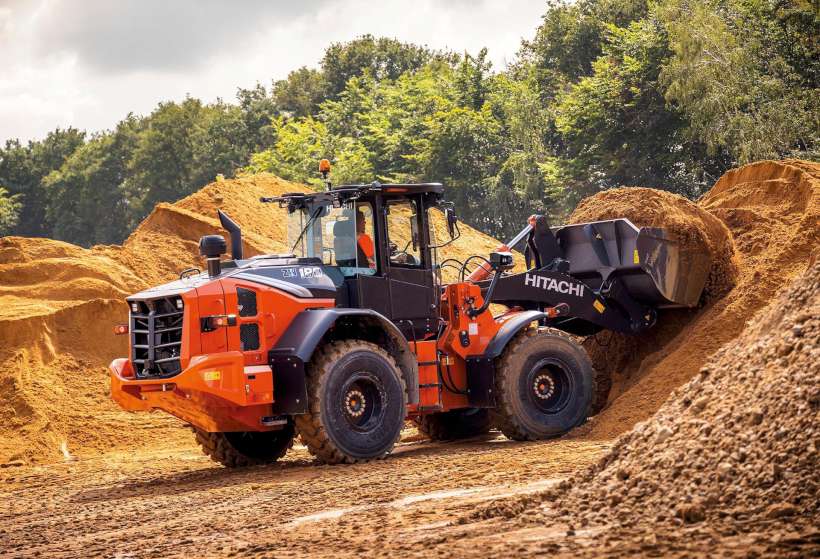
402, 256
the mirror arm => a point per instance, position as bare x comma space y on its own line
458, 235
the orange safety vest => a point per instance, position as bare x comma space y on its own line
366, 244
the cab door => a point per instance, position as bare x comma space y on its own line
408, 268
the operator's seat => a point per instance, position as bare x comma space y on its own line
344, 244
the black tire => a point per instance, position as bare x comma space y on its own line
455, 424
544, 384
249, 448
357, 403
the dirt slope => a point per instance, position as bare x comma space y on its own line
58, 303
731, 457
772, 211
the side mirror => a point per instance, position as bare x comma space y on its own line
452, 219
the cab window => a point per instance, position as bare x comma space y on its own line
349, 239
403, 237
341, 236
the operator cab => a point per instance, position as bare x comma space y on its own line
374, 241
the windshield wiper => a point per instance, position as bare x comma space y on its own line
312, 218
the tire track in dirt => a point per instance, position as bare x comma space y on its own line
166, 504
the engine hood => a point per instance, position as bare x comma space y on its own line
300, 277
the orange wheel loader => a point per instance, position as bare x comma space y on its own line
353, 332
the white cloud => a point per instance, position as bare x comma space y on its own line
87, 64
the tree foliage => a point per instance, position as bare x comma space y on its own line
745, 74
668, 93
381, 58
22, 169
9, 210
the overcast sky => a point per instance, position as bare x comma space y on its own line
87, 63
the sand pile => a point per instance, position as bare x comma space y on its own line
772, 211
696, 231
58, 303
693, 228
732, 456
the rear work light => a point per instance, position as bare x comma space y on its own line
211, 323
120, 329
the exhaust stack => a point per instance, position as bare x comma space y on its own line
236, 234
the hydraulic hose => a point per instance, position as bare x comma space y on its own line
471, 312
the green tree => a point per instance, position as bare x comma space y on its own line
300, 146
391, 118
221, 143
616, 127
161, 166
22, 169
745, 74
295, 156
471, 81
9, 211
86, 202
463, 148
301, 93
383, 58
258, 110
530, 179
570, 38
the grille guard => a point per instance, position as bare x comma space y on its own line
156, 336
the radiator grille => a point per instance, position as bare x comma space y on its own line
156, 336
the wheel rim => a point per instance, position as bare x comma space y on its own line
363, 401
549, 385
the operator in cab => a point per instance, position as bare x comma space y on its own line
365, 248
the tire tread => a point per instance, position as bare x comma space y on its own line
309, 425
504, 417
217, 447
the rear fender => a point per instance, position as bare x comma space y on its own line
310, 327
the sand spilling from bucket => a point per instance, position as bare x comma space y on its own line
59, 302
772, 210
693, 230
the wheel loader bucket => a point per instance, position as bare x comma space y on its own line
654, 268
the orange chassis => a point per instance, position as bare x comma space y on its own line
223, 389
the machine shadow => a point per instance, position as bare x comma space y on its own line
287, 471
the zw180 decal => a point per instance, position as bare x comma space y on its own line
311, 272
550, 284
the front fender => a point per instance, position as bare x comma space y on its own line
508, 330
309, 327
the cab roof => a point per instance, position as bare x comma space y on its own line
349, 192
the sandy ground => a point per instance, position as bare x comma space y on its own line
160, 502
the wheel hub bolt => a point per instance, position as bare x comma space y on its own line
544, 386
355, 403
